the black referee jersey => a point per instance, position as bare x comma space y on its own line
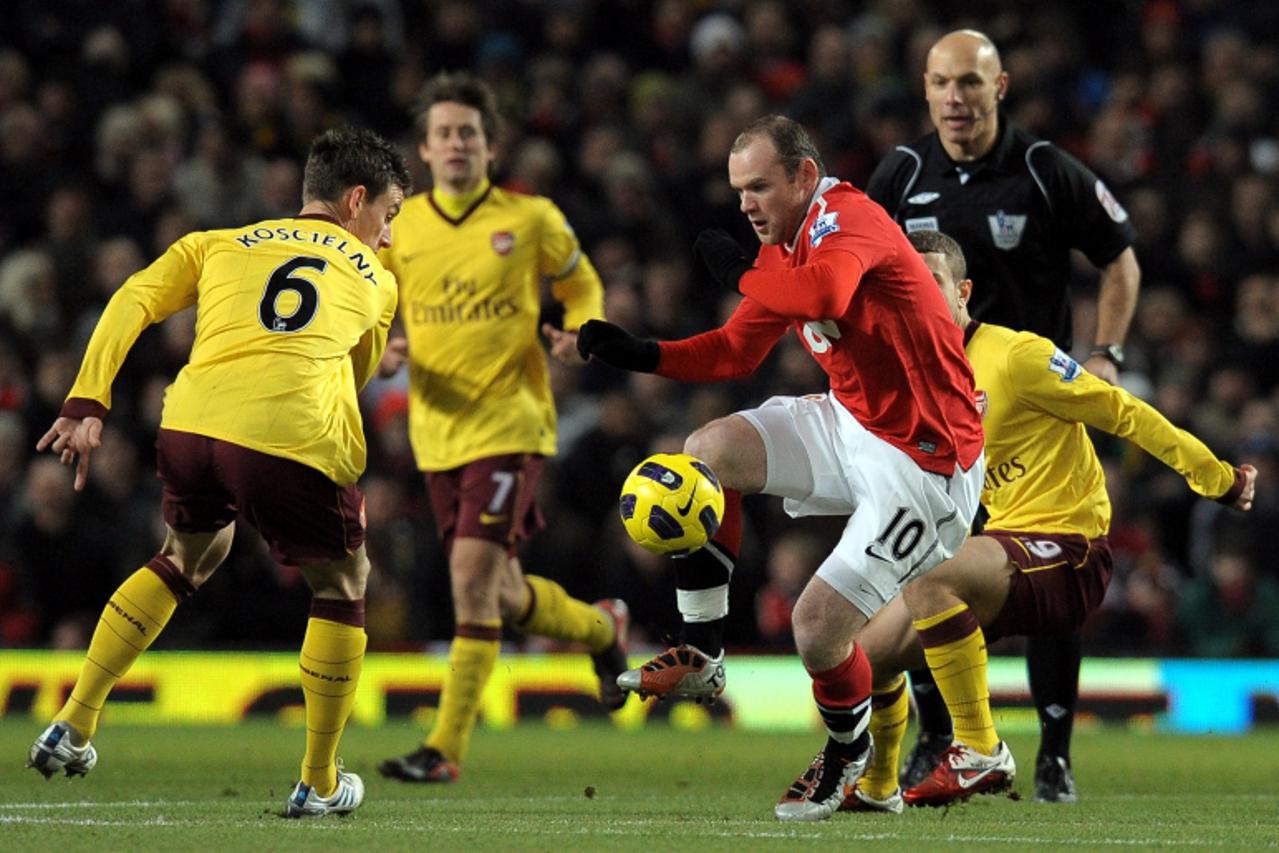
1017, 213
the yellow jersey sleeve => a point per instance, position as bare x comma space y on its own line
574, 282
1051, 381
366, 354
148, 296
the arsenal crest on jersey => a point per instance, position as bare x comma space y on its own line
983, 403
503, 242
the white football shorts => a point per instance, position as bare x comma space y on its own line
903, 520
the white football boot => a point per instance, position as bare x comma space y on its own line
346, 798
55, 750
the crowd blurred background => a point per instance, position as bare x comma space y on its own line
124, 125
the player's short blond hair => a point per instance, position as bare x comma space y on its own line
937, 243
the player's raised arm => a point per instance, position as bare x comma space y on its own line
1050, 380
148, 296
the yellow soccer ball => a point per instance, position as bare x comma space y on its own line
671, 504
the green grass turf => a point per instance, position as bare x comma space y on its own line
595, 788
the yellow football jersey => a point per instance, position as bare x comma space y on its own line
471, 272
292, 317
1042, 472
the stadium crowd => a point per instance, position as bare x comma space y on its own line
125, 125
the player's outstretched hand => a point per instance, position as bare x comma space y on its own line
393, 357
1244, 501
563, 344
73, 439
613, 345
722, 257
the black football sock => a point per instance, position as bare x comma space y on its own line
701, 589
1052, 663
934, 718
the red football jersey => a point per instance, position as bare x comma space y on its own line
861, 299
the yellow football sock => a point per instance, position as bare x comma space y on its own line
889, 711
135, 614
471, 660
553, 613
955, 649
330, 664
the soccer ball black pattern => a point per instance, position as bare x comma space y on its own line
671, 504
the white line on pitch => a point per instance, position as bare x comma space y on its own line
96, 805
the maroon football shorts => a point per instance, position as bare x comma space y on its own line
490, 498
303, 515
1060, 579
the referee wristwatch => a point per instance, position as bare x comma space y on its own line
1114, 353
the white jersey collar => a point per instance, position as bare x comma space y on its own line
817, 201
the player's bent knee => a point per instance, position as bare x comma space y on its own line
513, 598
733, 450
345, 578
705, 443
921, 595
197, 555
815, 640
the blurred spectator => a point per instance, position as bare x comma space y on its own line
366, 68
1233, 612
29, 295
24, 173
13, 454
70, 240
792, 560
65, 560
218, 186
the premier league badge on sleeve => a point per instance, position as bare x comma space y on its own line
1113, 208
1006, 229
822, 227
1063, 365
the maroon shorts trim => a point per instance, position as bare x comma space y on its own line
953, 629
490, 498
471, 631
303, 515
1060, 579
347, 611
178, 584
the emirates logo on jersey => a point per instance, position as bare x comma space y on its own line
503, 242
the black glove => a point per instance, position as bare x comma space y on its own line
617, 347
722, 256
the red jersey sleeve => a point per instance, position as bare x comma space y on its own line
818, 290
729, 352
822, 285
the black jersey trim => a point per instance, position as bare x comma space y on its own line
970, 330
430, 198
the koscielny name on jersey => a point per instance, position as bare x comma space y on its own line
249, 239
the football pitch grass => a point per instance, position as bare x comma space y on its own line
598, 788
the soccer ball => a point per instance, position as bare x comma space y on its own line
671, 504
